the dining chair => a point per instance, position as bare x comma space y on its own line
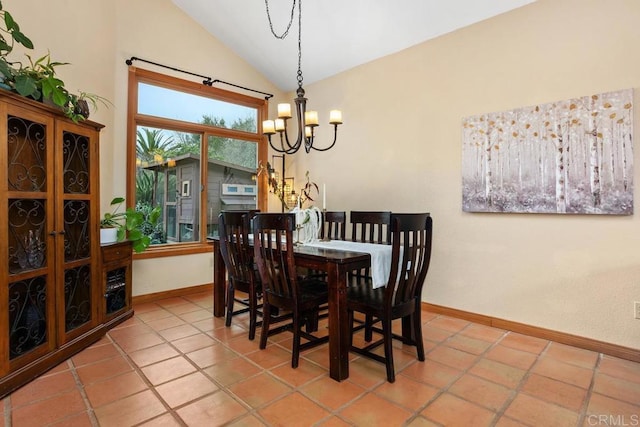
401, 297
282, 288
233, 227
370, 226
334, 225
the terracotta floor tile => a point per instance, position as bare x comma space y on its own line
617, 388
223, 333
448, 323
166, 420
509, 422
407, 393
292, 410
456, 359
145, 307
131, 410
468, 344
186, 307
536, 412
178, 332
497, 372
373, 410
132, 330
305, 372
114, 388
214, 410
95, 353
82, 419
572, 355
186, 389
561, 371
332, 394
171, 302
431, 333
432, 373
619, 411
150, 355
193, 342
367, 373
557, 392
43, 412
151, 315
270, 357
483, 392
166, 323
208, 325
197, 315
484, 333
243, 345
320, 355
451, 410
510, 356
44, 387
137, 342
168, 370
259, 390
620, 368
104, 369
211, 355
524, 342
247, 421
232, 371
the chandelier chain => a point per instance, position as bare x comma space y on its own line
299, 77
286, 31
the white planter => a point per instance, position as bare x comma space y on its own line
108, 235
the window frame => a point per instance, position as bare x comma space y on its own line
134, 119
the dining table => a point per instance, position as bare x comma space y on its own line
337, 264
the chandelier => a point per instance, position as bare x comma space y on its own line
307, 120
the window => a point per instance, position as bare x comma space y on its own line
191, 144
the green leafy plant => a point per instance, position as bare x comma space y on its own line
130, 223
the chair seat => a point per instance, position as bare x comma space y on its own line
361, 292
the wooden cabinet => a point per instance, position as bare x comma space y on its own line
116, 282
51, 287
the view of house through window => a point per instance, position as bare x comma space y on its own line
195, 156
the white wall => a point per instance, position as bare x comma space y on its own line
400, 145
400, 149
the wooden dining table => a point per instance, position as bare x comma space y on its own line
337, 264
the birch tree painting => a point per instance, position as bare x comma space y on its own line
573, 156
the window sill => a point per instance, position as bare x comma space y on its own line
174, 250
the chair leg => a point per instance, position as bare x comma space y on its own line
350, 323
253, 314
230, 301
295, 349
417, 330
388, 349
368, 328
266, 318
312, 321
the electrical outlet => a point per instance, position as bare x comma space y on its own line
636, 309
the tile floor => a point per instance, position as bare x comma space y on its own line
173, 364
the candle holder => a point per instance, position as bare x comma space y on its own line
325, 237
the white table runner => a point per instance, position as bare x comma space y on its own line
380, 256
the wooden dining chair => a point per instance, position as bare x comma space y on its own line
370, 226
282, 288
334, 225
401, 297
233, 227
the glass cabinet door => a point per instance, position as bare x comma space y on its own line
27, 194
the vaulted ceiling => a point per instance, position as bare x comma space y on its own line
336, 34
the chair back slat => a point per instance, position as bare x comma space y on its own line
410, 257
234, 246
273, 253
334, 225
371, 226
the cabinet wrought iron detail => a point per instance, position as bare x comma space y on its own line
77, 233
26, 235
27, 315
27, 154
75, 151
77, 297
116, 289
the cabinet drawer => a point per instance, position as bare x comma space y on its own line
116, 252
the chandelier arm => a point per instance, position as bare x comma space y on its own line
335, 138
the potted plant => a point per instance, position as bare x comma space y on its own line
128, 224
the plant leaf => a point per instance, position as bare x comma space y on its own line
26, 86
22, 39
